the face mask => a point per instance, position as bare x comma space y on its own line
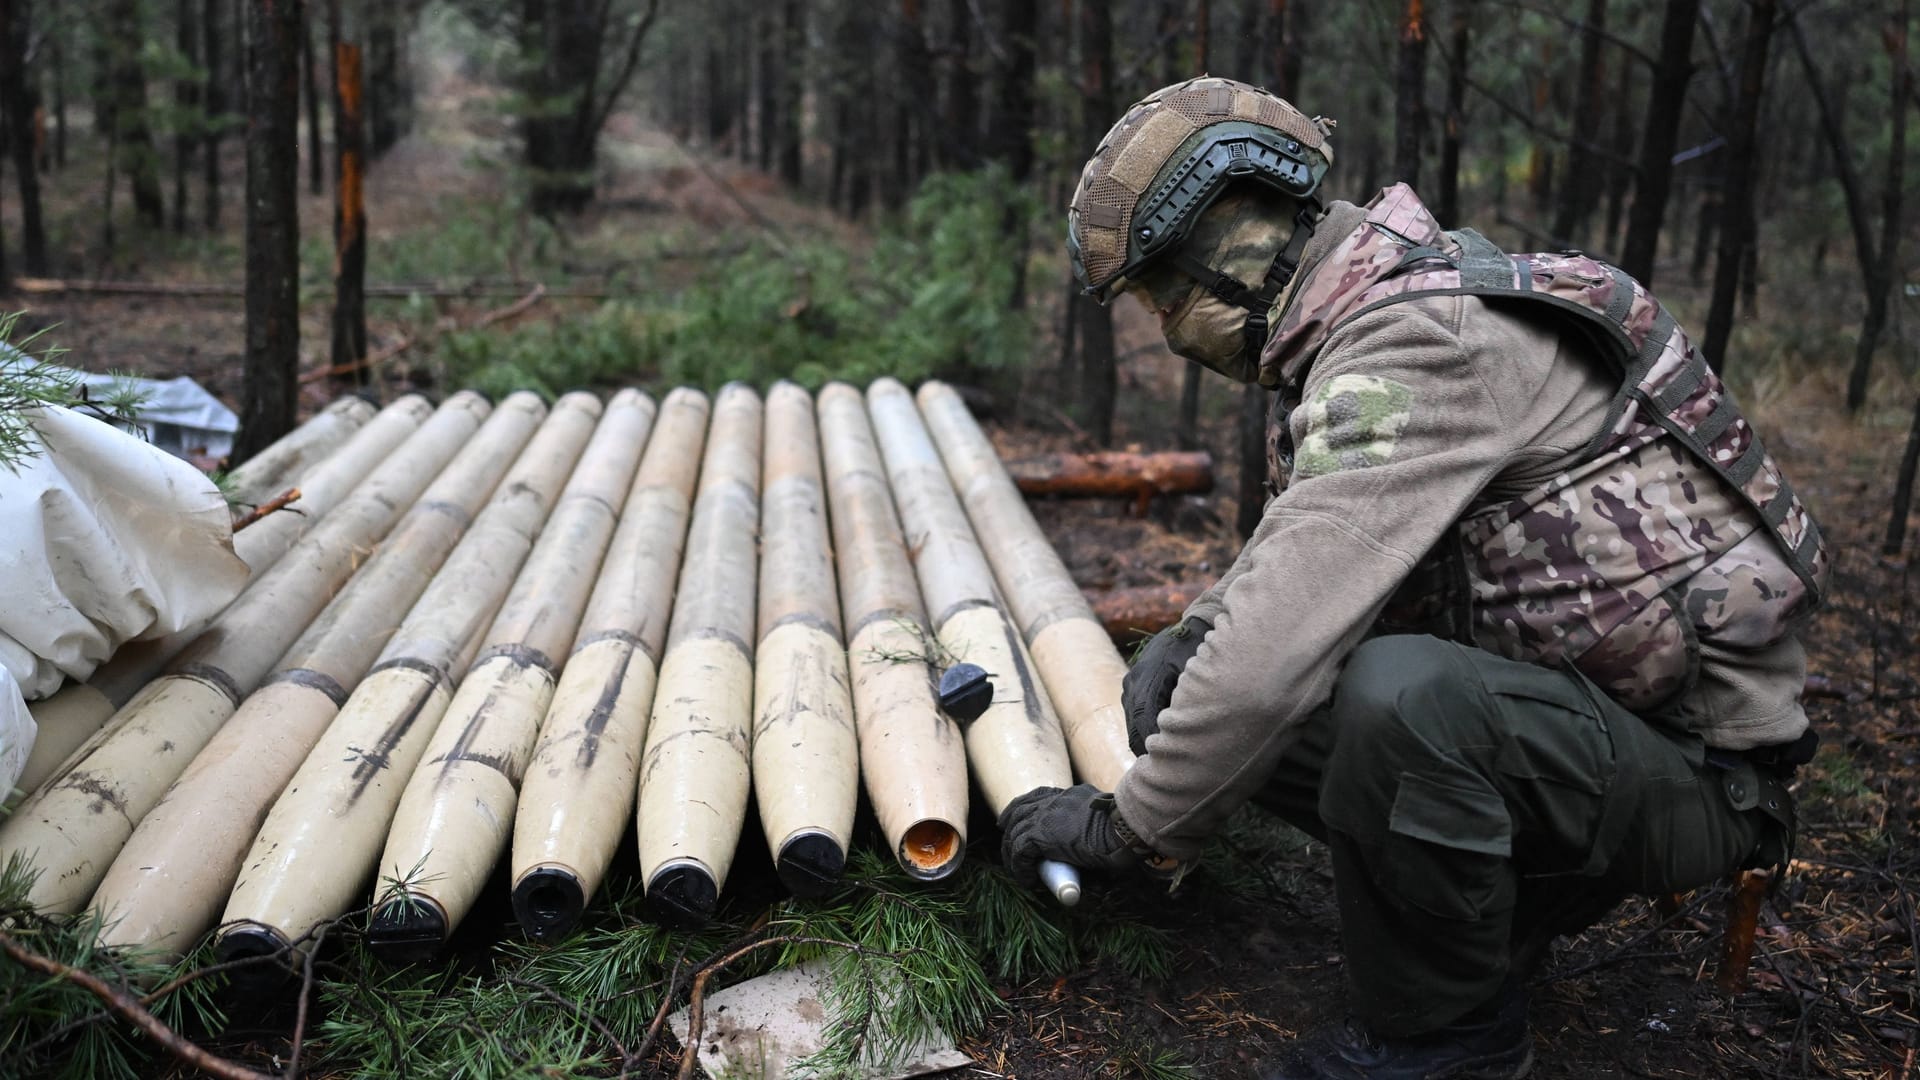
1239, 235
1212, 333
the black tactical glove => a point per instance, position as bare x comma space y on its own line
1074, 826
1148, 687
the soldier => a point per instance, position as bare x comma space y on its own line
1516, 633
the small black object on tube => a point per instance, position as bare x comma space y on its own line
965, 692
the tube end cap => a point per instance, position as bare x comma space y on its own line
683, 894
810, 864
549, 902
407, 929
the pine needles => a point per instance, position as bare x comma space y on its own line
27, 384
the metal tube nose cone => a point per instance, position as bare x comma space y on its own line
548, 901
810, 864
271, 955
408, 929
682, 894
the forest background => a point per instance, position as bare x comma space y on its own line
289, 201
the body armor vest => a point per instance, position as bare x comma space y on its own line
1676, 528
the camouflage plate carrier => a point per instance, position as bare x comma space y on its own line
1678, 528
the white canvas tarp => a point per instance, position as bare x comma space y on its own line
103, 539
177, 415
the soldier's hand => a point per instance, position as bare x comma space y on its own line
1074, 826
1148, 687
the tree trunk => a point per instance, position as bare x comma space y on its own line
16, 25
127, 86
310, 87
963, 107
389, 88
1409, 97
792, 90
215, 99
1619, 175
767, 80
1903, 490
273, 225
1666, 99
1880, 282
1577, 192
1098, 376
1706, 227
1736, 217
350, 217
57, 56
1202, 36
1446, 206
1010, 132
186, 102
566, 77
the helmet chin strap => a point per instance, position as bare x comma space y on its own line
1259, 301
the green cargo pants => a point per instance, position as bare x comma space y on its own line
1475, 807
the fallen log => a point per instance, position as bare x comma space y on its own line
1142, 611
1115, 473
386, 290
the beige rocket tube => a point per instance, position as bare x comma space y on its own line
173, 877
579, 788
912, 757
451, 824
322, 839
78, 710
694, 774
806, 763
66, 827
1077, 661
279, 467
1015, 745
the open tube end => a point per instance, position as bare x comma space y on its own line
263, 957
810, 864
931, 849
549, 901
683, 894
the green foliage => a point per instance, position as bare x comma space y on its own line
27, 384
52, 1027
929, 298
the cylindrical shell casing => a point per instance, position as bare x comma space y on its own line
279, 467
1077, 661
453, 818
313, 852
1016, 746
141, 751
694, 774
806, 766
324, 835
579, 789
912, 757
73, 714
170, 881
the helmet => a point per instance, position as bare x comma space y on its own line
1168, 159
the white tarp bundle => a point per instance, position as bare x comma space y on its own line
103, 539
177, 415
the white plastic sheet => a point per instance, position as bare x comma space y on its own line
177, 415
103, 539
16, 731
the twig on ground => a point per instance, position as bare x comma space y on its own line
126, 1005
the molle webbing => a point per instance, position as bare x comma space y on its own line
1664, 381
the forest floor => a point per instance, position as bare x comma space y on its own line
1834, 991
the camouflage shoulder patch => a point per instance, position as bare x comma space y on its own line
1353, 422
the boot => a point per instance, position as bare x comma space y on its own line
1492, 1042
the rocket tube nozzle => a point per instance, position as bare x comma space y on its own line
408, 929
683, 894
810, 863
548, 901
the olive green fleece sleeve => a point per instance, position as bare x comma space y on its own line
1399, 430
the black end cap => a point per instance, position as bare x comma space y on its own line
548, 901
407, 930
264, 959
683, 895
965, 692
810, 864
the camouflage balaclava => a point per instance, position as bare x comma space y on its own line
1239, 236
1151, 212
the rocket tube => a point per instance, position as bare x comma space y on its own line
73, 714
451, 825
322, 839
174, 875
912, 756
278, 467
1015, 745
579, 788
806, 770
1077, 661
694, 773
74, 825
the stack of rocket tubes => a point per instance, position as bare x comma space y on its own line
517, 630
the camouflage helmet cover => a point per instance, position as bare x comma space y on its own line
1170, 156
